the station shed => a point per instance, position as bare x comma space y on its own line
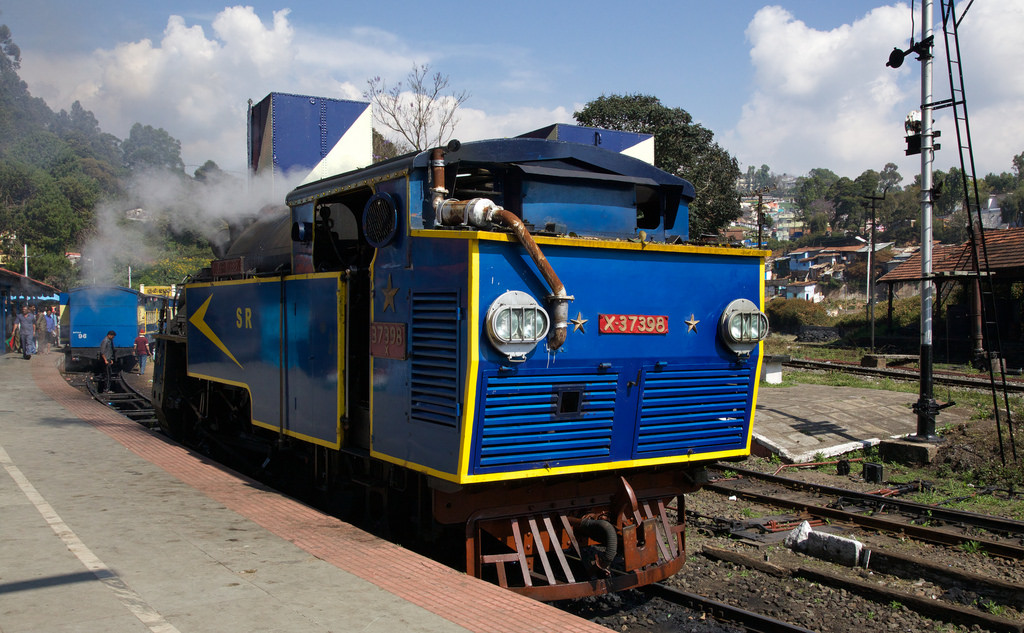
16, 289
953, 266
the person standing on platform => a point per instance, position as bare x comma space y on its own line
40, 332
26, 325
107, 358
40, 326
51, 329
142, 352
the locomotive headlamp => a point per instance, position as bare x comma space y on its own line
515, 324
742, 326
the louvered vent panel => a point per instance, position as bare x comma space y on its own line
693, 410
522, 428
434, 358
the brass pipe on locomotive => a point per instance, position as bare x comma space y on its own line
482, 213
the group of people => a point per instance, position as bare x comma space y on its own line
34, 331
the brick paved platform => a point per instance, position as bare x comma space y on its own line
109, 527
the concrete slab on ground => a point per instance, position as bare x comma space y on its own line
800, 422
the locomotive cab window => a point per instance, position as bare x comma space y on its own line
335, 236
336, 231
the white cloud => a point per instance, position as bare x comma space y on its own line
476, 124
826, 98
822, 98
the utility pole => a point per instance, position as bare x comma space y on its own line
760, 218
25, 257
871, 277
926, 407
921, 140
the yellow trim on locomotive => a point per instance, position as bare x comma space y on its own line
562, 470
473, 358
577, 242
264, 425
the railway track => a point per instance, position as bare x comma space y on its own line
983, 596
721, 611
939, 378
123, 398
994, 535
872, 586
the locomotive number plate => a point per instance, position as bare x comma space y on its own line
633, 324
387, 340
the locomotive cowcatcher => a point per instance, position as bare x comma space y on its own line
508, 339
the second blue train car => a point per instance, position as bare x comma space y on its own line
89, 312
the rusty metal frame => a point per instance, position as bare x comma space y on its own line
653, 548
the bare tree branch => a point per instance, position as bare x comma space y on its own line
423, 114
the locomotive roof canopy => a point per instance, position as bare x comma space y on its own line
536, 156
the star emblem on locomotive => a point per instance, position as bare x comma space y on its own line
578, 323
389, 296
691, 323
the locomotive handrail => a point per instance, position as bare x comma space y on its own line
481, 213
558, 299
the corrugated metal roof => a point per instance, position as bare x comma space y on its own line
22, 285
1005, 249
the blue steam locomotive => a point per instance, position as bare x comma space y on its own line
508, 339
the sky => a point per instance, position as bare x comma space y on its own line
795, 85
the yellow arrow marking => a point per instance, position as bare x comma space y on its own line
197, 320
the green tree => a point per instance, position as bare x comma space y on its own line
904, 209
19, 110
384, 149
211, 173
49, 221
106, 175
40, 148
762, 178
682, 147
845, 195
82, 193
814, 186
1012, 207
1001, 183
10, 54
890, 178
816, 222
950, 194
149, 147
52, 268
81, 131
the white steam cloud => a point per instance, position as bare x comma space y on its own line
130, 230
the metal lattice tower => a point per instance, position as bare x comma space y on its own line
991, 352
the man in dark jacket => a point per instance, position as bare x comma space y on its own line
107, 358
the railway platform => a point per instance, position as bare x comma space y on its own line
107, 526
804, 422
